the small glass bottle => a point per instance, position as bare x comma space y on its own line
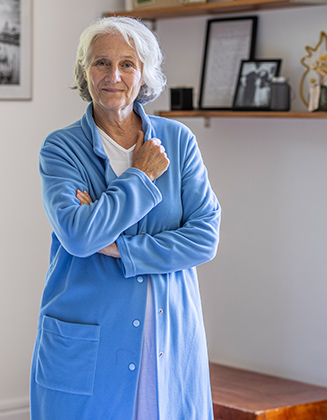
280, 94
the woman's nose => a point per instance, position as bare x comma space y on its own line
113, 74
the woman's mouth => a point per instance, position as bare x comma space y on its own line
112, 90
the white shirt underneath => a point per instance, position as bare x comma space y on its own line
120, 158
146, 398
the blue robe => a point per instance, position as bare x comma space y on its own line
88, 346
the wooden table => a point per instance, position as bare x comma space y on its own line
244, 395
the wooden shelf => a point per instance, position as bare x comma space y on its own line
230, 6
242, 114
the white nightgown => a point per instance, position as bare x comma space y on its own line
146, 398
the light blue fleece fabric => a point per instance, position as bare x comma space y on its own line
87, 352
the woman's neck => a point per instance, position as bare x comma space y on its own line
122, 126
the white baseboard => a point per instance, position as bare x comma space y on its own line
15, 409
14, 404
20, 414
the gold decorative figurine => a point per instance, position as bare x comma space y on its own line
316, 60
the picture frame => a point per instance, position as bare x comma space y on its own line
227, 42
253, 87
15, 49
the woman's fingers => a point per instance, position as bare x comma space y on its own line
110, 251
151, 158
83, 197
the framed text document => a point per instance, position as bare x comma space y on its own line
228, 42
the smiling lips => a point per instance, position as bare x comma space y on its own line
112, 90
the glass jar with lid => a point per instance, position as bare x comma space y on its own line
280, 94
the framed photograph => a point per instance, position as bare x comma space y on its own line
15, 49
228, 42
253, 88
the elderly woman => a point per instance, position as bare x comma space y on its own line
121, 333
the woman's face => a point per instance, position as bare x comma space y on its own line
113, 74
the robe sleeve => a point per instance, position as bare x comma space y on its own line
193, 243
84, 230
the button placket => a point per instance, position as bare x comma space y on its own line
136, 323
161, 353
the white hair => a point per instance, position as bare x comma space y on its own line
146, 46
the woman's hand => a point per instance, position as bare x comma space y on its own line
110, 250
150, 157
83, 197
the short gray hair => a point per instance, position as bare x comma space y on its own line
146, 46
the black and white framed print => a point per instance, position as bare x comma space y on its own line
15, 49
253, 89
228, 41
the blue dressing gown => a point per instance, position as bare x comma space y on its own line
88, 346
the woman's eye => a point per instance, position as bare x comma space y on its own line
100, 63
127, 65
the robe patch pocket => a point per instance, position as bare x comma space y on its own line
67, 356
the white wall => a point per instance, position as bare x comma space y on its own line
264, 294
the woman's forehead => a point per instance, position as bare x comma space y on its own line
113, 43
